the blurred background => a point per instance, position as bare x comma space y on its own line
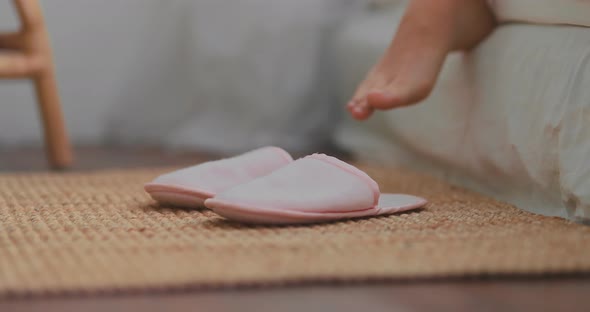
509, 118
221, 76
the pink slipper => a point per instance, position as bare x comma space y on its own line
189, 187
312, 189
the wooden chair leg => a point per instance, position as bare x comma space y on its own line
34, 41
56, 140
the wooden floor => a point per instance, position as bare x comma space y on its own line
505, 294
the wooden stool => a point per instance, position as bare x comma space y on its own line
27, 54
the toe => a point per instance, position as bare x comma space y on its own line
354, 102
359, 110
383, 100
398, 95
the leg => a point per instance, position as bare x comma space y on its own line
18, 65
35, 44
408, 70
56, 140
12, 41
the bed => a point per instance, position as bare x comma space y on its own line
510, 119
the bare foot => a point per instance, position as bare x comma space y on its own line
408, 70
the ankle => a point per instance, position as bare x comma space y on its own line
473, 23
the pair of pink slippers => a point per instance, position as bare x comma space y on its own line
266, 186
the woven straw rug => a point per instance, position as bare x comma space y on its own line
99, 232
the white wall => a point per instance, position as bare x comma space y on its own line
211, 74
106, 53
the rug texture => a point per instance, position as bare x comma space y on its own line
100, 232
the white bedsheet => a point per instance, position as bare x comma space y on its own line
511, 119
567, 12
